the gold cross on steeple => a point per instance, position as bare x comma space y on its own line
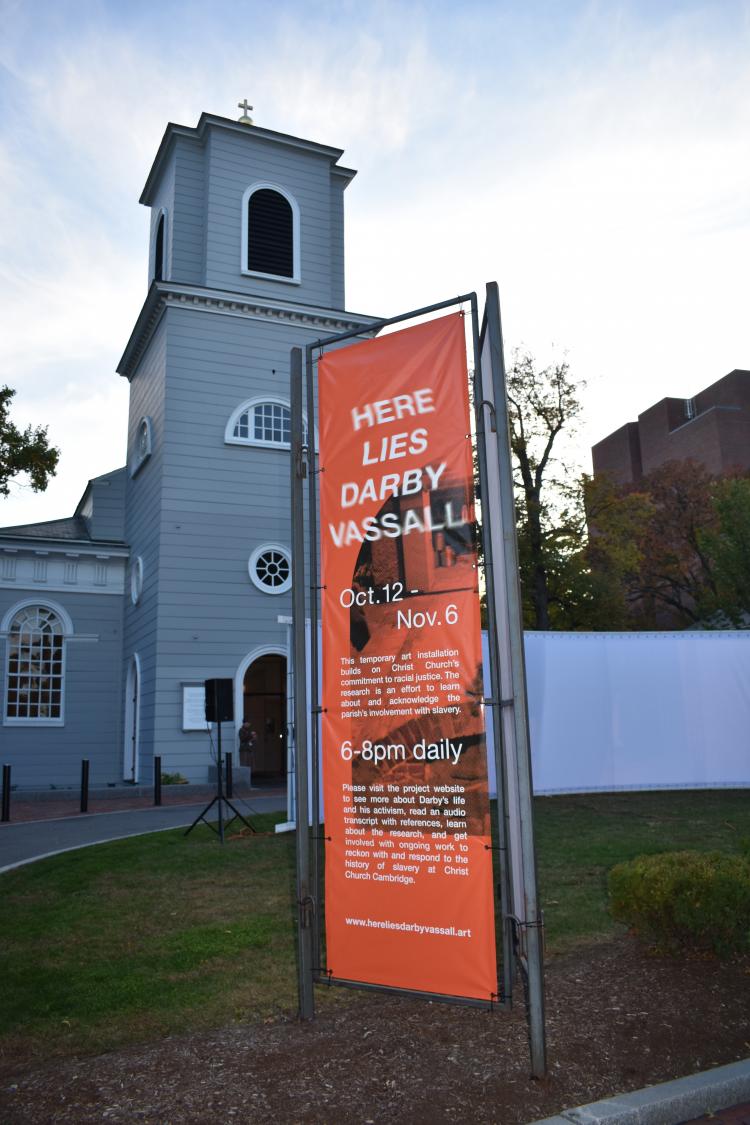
246, 119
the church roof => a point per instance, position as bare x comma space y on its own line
73, 529
210, 119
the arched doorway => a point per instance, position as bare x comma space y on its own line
132, 720
264, 707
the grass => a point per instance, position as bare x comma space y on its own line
157, 934
147, 936
579, 838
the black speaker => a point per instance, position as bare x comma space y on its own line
219, 701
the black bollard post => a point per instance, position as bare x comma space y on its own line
230, 775
84, 785
157, 780
6, 793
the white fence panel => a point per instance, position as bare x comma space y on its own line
639, 710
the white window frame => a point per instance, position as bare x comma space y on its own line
249, 407
136, 580
139, 458
296, 277
132, 726
162, 212
67, 633
252, 563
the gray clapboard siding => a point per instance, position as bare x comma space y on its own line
189, 253
107, 519
164, 200
142, 530
44, 756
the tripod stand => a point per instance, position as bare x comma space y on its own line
219, 799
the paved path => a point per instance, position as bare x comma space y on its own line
28, 840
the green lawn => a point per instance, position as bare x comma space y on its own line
166, 933
579, 838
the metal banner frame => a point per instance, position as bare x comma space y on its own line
509, 645
304, 465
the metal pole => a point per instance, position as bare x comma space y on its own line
532, 920
497, 726
219, 772
377, 325
305, 900
157, 779
230, 774
84, 785
312, 525
6, 793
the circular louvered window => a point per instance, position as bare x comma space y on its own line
270, 568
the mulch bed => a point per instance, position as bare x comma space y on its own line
618, 1019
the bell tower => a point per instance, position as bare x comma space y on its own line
246, 261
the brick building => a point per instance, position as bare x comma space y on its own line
712, 428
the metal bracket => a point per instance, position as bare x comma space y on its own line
521, 929
493, 417
306, 911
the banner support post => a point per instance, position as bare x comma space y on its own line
312, 516
306, 906
496, 710
531, 921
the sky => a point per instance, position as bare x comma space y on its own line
591, 157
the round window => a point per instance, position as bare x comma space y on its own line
270, 568
136, 580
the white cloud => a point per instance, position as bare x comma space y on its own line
597, 168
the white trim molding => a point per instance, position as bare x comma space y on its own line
239, 679
263, 185
136, 579
46, 603
249, 407
162, 213
131, 750
143, 443
67, 634
252, 568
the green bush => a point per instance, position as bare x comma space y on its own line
685, 900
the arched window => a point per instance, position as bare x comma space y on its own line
142, 444
261, 421
35, 677
270, 233
159, 248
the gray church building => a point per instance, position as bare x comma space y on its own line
175, 568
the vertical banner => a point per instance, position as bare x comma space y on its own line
409, 884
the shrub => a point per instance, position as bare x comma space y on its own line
173, 779
685, 900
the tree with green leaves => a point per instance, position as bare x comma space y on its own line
544, 403
24, 451
727, 543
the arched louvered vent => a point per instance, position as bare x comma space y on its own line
270, 234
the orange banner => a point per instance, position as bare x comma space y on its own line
409, 885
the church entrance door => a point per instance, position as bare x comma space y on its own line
264, 708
